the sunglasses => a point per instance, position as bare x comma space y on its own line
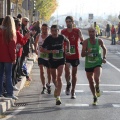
26, 21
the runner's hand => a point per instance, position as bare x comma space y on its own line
103, 60
68, 53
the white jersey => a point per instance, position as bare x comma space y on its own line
40, 54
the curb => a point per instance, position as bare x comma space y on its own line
7, 103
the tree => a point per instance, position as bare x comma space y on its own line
46, 8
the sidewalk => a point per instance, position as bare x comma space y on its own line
7, 103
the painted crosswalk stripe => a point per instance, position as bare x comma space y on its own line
116, 105
111, 91
76, 105
107, 85
76, 91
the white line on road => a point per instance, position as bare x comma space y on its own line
107, 85
113, 66
111, 91
77, 105
116, 105
76, 91
14, 113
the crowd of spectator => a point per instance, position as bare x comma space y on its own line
17, 39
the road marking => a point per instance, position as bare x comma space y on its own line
116, 105
76, 91
111, 91
108, 85
113, 66
14, 113
77, 105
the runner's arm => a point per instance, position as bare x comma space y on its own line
85, 51
104, 48
80, 36
68, 43
36, 44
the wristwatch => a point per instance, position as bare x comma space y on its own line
104, 57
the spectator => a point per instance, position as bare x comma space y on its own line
113, 35
19, 16
25, 53
36, 27
97, 28
107, 30
20, 42
8, 57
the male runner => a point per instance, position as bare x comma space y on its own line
43, 59
91, 50
74, 35
54, 45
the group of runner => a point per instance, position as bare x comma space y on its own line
60, 51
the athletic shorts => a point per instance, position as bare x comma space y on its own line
43, 62
55, 63
92, 69
74, 62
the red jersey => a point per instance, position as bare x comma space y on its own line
73, 37
20, 41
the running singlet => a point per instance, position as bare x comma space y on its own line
55, 44
40, 54
94, 58
73, 37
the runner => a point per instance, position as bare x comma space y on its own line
54, 45
91, 50
43, 59
74, 35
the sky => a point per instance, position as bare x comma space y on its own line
82, 7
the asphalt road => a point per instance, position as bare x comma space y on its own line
34, 106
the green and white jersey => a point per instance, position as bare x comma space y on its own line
94, 58
40, 54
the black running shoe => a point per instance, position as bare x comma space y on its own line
97, 91
43, 91
58, 101
95, 101
48, 88
68, 89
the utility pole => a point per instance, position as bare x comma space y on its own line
8, 7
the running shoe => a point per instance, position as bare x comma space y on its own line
73, 96
95, 101
48, 88
68, 88
43, 91
58, 101
97, 91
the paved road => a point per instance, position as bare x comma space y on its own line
42, 107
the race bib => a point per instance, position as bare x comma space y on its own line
93, 57
72, 49
58, 55
44, 55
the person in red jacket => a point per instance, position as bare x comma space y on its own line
7, 54
75, 36
21, 40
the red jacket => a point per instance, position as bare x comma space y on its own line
7, 51
22, 41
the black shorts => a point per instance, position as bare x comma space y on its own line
43, 62
92, 69
74, 62
56, 63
